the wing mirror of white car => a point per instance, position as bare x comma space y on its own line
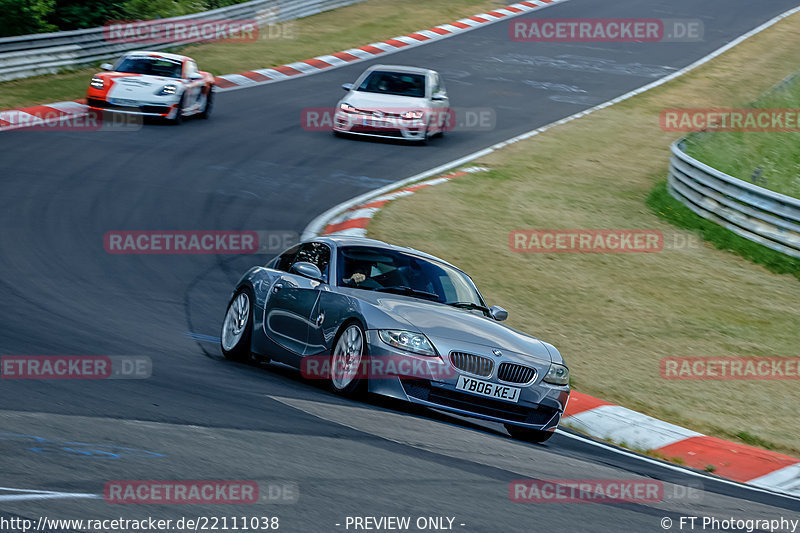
498, 313
107, 66
438, 97
307, 270
196, 76
347, 86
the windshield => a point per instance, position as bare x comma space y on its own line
397, 83
379, 269
154, 66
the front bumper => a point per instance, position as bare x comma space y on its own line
540, 405
143, 109
386, 127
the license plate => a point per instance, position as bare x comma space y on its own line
124, 102
488, 389
373, 123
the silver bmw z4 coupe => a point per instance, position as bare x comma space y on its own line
365, 315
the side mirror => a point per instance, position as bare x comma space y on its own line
196, 76
307, 270
498, 313
347, 86
440, 96
107, 66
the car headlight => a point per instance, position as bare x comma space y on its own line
166, 90
347, 108
557, 374
412, 115
407, 340
97, 82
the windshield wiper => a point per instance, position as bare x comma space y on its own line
468, 305
408, 291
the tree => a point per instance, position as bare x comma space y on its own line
79, 14
21, 17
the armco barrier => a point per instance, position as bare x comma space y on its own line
755, 213
29, 55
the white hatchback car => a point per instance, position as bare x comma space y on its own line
394, 101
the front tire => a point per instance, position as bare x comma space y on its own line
527, 434
347, 377
426, 138
237, 327
179, 114
206, 112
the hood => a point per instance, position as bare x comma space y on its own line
134, 86
372, 101
439, 321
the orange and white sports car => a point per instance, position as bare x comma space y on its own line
155, 84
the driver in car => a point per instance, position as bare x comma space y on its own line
360, 277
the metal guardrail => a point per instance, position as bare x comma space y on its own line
755, 213
29, 55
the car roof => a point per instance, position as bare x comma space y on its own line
401, 68
165, 55
350, 240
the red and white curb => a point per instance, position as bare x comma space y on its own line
41, 115
614, 423
61, 111
739, 462
354, 221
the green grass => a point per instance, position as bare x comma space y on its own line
768, 159
325, 33
667, 207
754, 440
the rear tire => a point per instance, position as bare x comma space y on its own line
237, 327
527, 434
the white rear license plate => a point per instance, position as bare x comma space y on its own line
488, 389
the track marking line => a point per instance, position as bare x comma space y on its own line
33, 494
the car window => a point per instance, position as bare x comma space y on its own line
397, 83
153, 66
284, 262
371, 268
316, 253
435, 87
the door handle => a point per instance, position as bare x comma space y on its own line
276, 288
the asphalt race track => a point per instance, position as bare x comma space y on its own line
253, 167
